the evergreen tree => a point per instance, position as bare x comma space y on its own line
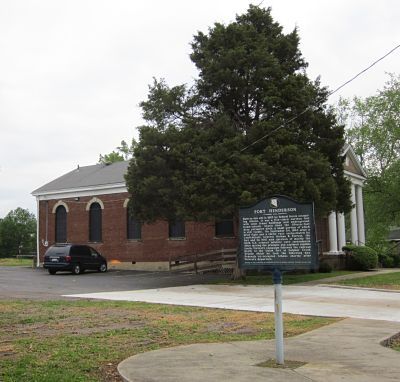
251, 126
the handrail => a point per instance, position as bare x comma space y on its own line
220, 256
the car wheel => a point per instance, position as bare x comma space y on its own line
103, 267
76, 270
52, 271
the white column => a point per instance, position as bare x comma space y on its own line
37, 232
332, 232
341, 230
360, 216
353, 216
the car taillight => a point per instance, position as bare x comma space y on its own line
68, 258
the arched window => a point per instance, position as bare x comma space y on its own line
95, 222
134, 227
61, 225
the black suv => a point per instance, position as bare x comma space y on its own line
73, 257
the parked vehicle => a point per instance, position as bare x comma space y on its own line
74, 258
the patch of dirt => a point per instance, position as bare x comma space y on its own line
387, 286
43, 330
288, 364
109, 373
231, 327
7, 350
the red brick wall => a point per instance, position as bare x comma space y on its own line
155, 244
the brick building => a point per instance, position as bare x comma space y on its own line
89, 205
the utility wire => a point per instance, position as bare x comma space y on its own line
309, 107
363, 71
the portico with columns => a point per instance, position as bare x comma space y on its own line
337, 220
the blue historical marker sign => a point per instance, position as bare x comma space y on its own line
278, 233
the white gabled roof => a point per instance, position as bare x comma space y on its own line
348, 150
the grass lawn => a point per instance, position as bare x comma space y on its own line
287, 278
384, 281
14, 262
85, 340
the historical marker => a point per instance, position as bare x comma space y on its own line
278, 233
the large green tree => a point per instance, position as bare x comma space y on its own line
252, 125
373, 129
121, 153
17, 233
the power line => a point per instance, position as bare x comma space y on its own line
309, 107
363, 71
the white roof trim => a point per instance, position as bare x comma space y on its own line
354, 178
82, 191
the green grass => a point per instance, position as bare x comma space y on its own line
383, 281
396, 345
287, 278
14, 262
45, 341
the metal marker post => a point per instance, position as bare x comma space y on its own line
277, 278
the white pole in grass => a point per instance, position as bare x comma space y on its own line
277, 277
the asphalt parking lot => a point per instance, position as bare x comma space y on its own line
24, 282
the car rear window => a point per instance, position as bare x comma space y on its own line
57, 251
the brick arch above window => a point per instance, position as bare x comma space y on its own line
58, 204
94, 200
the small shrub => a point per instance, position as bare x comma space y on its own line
325, 267
361, 258
386, 261
396, 260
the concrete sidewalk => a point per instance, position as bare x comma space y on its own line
349, 350
325, 301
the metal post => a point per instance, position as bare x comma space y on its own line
277, 278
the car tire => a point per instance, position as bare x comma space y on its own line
76, 270
52, 271
103, 268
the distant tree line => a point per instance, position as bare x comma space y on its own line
17, 233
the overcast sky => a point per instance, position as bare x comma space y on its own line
72, 73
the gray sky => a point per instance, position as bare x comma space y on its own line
72, 73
